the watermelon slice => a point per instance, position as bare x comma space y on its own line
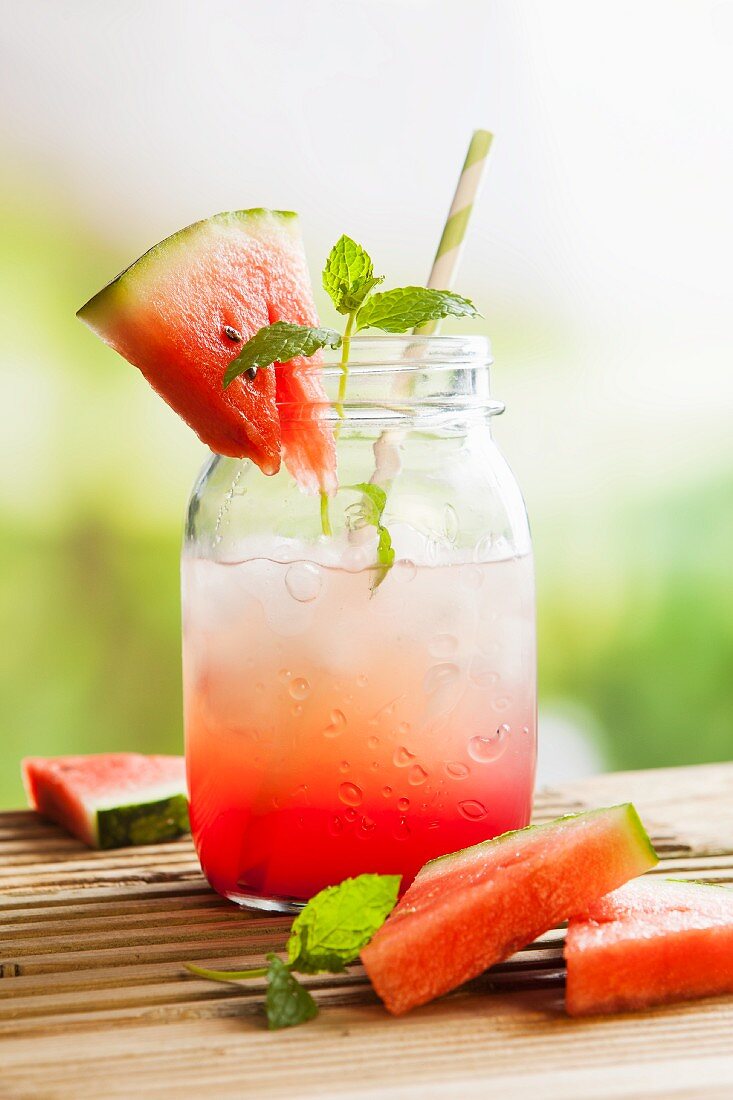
467, 911
111, 799
173, 314
648, 943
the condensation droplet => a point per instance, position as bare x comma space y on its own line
416, 775
401, 830
367, 824
344, 766
374, 765
482, 674
284, 675
350, 814
372, 741
456, 770
298, 710
443, 645
450, 523
350, 794
472, 810
502, 702
336, 724
386, 791
405, 570
440, 676
299, 688
403, 728
484, 548
335, 826
403, 804
485, 749
362, 680
402, 757
472, 577
304, 581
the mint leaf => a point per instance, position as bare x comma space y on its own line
226, 975
408, 307
335, 924
373, 504
279, 343
348, 276
287, 1002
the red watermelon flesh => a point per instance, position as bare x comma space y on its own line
167, 315
110, 800
648, 943
467, 911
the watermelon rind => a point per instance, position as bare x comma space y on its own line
144, 823
256, 218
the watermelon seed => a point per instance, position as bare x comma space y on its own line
236, 336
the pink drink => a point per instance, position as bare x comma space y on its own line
331, 732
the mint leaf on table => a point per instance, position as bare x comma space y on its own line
287, 1002
348, 276
335, 924
372, 510
279, 343
408, 307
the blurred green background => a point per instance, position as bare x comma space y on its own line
599, 254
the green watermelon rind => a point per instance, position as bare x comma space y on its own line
128, 277
633, 821
142, 822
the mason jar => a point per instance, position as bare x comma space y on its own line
365, 699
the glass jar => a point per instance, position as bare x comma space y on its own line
344, 714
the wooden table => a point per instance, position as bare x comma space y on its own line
94, 1002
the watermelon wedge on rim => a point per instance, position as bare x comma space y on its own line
169, 314
467, 911
111, 799
648, 943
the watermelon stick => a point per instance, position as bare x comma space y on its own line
442, 276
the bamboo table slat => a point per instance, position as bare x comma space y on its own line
94, 1001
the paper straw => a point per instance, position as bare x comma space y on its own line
450, 249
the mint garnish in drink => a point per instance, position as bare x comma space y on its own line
326, 936
371, 512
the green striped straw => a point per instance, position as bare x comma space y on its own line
450, 249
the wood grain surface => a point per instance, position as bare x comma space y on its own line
94, 1001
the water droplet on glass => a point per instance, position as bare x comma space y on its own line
299, 688
472, 810
456, 770
336, 724
350, 814
502, 702
304, 581
405, 570
443, 645
450, 523
472, 577
482, 674
403, 728
344, 766
362, 681
403, 804
386, 791
402, 830
335, 826
484, 749
402, 757
372, 742
416, 775
374, 766
367, 824
440, 676
284, 675
350, 794
484, 548
298, 710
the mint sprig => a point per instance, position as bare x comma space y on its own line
373, 503
327, 935
279, 343
348, 276
409, 307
